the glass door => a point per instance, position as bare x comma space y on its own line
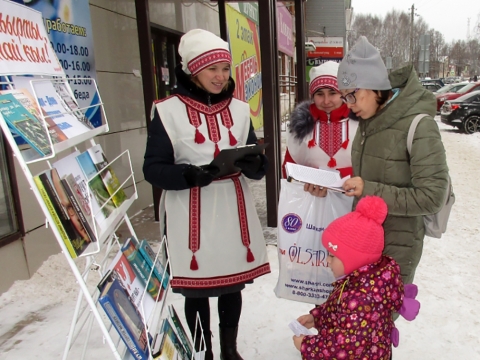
165, 59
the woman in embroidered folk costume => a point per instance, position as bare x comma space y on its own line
320, 130
356, 320
215, 239
411, 185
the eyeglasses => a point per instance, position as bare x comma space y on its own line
350, 97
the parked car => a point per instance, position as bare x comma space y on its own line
435, 81
450, 88
463, 112
450, 80
431, 86
441, 98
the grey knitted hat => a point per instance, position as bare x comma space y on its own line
363, 68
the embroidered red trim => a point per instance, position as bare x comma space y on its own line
227, 121
194, 226
210, 110
226, 280
323, 81
208, 58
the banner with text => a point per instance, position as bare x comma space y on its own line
284, 30
69, 29
24, 44
246, 69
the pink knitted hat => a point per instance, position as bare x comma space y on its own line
357, 238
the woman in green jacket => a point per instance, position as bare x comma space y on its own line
412, 186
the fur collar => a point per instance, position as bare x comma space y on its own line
302, 120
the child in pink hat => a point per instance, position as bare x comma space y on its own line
356, 320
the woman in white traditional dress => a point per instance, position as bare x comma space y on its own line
320, 130
214, 236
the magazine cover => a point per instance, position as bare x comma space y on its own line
95, 182
107, 174
125, 318
23, 123
27, 100
69, 165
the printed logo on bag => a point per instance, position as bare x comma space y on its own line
291, 223
313, 227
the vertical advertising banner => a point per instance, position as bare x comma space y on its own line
246, 69
69, 29
285, 30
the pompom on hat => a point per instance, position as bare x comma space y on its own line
363, 68
323, 76
200, 48
357, 238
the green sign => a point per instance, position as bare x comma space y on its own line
250, 10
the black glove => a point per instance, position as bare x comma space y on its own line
199, 176
250, 163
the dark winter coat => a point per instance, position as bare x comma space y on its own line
411, 186
357, 319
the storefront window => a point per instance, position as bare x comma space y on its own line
8, 221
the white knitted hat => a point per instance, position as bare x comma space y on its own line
363, 68
323, 76
200, 49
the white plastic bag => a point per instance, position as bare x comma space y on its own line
303, 272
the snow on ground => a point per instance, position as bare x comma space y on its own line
36, 313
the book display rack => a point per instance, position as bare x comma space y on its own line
122, 286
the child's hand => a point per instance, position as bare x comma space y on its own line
297, 341
307, 320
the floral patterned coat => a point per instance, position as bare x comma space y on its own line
356, 320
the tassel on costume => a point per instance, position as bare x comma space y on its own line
199, 138
217, 150
332, 162
233, 141
193, 263
345, 144
250, 257
311, 143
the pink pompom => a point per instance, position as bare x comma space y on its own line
373, 207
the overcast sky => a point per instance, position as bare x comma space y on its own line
446, 16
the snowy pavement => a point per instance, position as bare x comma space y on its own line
36, 313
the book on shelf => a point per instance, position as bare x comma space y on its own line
142, 269
79, 204
167, 345
108, 176
95, 183
329, 179
82, 205
63, 90
23, 123
125, 318
27, 100
55, 109
121, 269
56, 220
68, 165
65, 219
180, 330
149, 255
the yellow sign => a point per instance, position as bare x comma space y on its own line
246, 68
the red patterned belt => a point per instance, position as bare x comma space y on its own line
194, 224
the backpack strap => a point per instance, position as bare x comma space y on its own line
411, 131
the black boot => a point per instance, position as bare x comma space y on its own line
228, 344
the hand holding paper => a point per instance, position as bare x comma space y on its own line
325, 178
